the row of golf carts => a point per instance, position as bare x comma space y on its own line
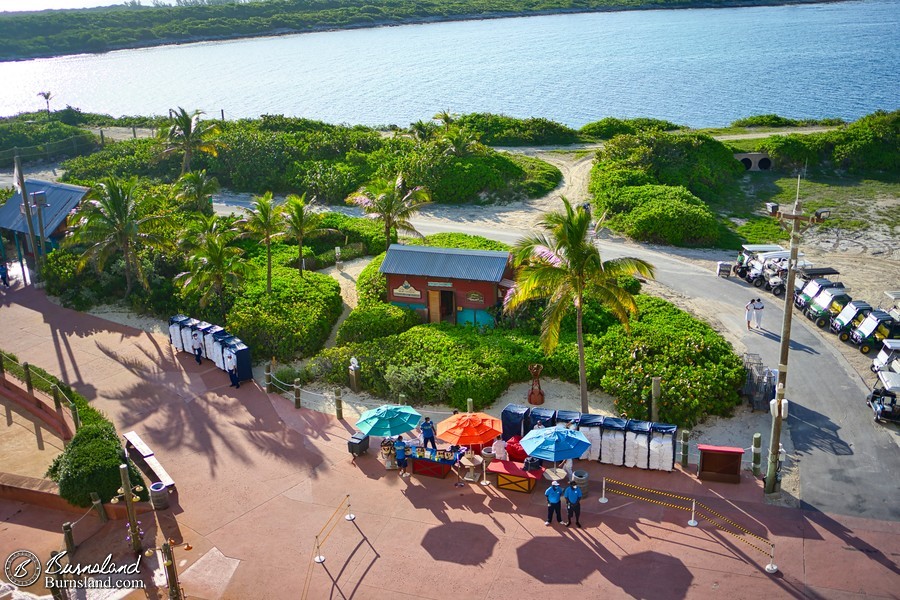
828, 303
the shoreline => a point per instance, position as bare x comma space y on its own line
701, 4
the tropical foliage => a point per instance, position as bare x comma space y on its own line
374, 321
393, 203
501, 130
186, 135
264, 221
558, 265
610, 127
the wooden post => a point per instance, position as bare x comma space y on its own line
223, 113
268, 379
757, 453
28, 383
470, 405
338, 404
57, 404
684, 447
97, 505
76, 418
297, 393
134, 132
102, 138
70, 539
656, 393
2, 365
401, 399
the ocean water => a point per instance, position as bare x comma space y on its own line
697, 67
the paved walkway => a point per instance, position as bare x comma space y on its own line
258, 479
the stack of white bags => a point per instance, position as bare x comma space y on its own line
612, 447
637, 450
662, 452
175, 336
593, 435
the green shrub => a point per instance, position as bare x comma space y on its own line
371, 286
43, 140
610, 127
459, 240
295, 319
90, 463
541, 177
375, 321
664, 214
501, 130
136, 157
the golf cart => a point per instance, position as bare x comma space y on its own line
883, 397
807, 272
829, 303
889, 357
850, 318
776, 273
803, 297
748, 252
877, 327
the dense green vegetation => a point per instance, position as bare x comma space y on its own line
779, 121
610, 127
90, 462
445, 363
42, 139
501, 130
51, 33
328, 162
657, 186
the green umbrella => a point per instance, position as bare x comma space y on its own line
388, 420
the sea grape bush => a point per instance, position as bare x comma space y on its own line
610, 127
502, 130
375, 321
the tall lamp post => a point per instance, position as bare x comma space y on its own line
168, 554
127, 493
799, 224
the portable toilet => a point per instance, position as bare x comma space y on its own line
175, 331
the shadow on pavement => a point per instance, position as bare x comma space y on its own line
460, 543
811, 430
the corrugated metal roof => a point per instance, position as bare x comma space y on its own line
452, 263
61, 197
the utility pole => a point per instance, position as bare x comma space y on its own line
797, 219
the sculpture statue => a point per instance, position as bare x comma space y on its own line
536, 394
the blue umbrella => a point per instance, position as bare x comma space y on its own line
555, 443
388, 420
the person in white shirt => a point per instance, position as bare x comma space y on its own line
197, 346
758, 307
499, 448
231, 367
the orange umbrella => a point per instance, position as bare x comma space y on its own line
468, 429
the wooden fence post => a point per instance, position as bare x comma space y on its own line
338, 404
297, 393
268, 380
97, 505
28, 385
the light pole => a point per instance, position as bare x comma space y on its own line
168, 554
799, 224
127, 493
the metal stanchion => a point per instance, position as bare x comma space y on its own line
693, 521
772, 568
603, 499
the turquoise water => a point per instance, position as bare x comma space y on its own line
702, 67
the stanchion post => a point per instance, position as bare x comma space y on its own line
319, 558
772, 568
693, 521
97, 505
685, 436
297, 393
401, 399
470, 405
349, 516
757, 453
28, 384
603, 499
268, 379
57, 403
338, 404
69, 538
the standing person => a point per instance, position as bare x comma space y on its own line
573, 495
748, 308
197, 345
231, 367
757, 312
427, 428
554, 496
538, 425
400, 455
499, 448
4, 274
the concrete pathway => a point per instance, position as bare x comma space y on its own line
257, 480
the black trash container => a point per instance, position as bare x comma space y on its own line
358, 444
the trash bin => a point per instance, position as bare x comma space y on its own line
358, 444
159, 496
487, 453
581, 478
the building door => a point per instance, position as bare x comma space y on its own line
448, 306
434, 306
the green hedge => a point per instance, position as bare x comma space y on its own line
662, 214
295, 319
371, 286
375, 321
42, 140
501, 130
610, 127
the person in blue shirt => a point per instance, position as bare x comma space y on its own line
427, 428
554, 494
573, 495
400, 455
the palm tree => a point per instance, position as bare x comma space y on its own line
445, 117
195, 191
111, 223
186, 134
264, 220
204, 226
213, 266
558, 266
46, 96
391, 203
458, 141
423, 131
302, 223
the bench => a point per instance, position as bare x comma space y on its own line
134, 441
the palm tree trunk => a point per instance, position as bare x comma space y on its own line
126, 255
300, 254
220, 293
582, 370
268, 267
186, 162
387, 235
